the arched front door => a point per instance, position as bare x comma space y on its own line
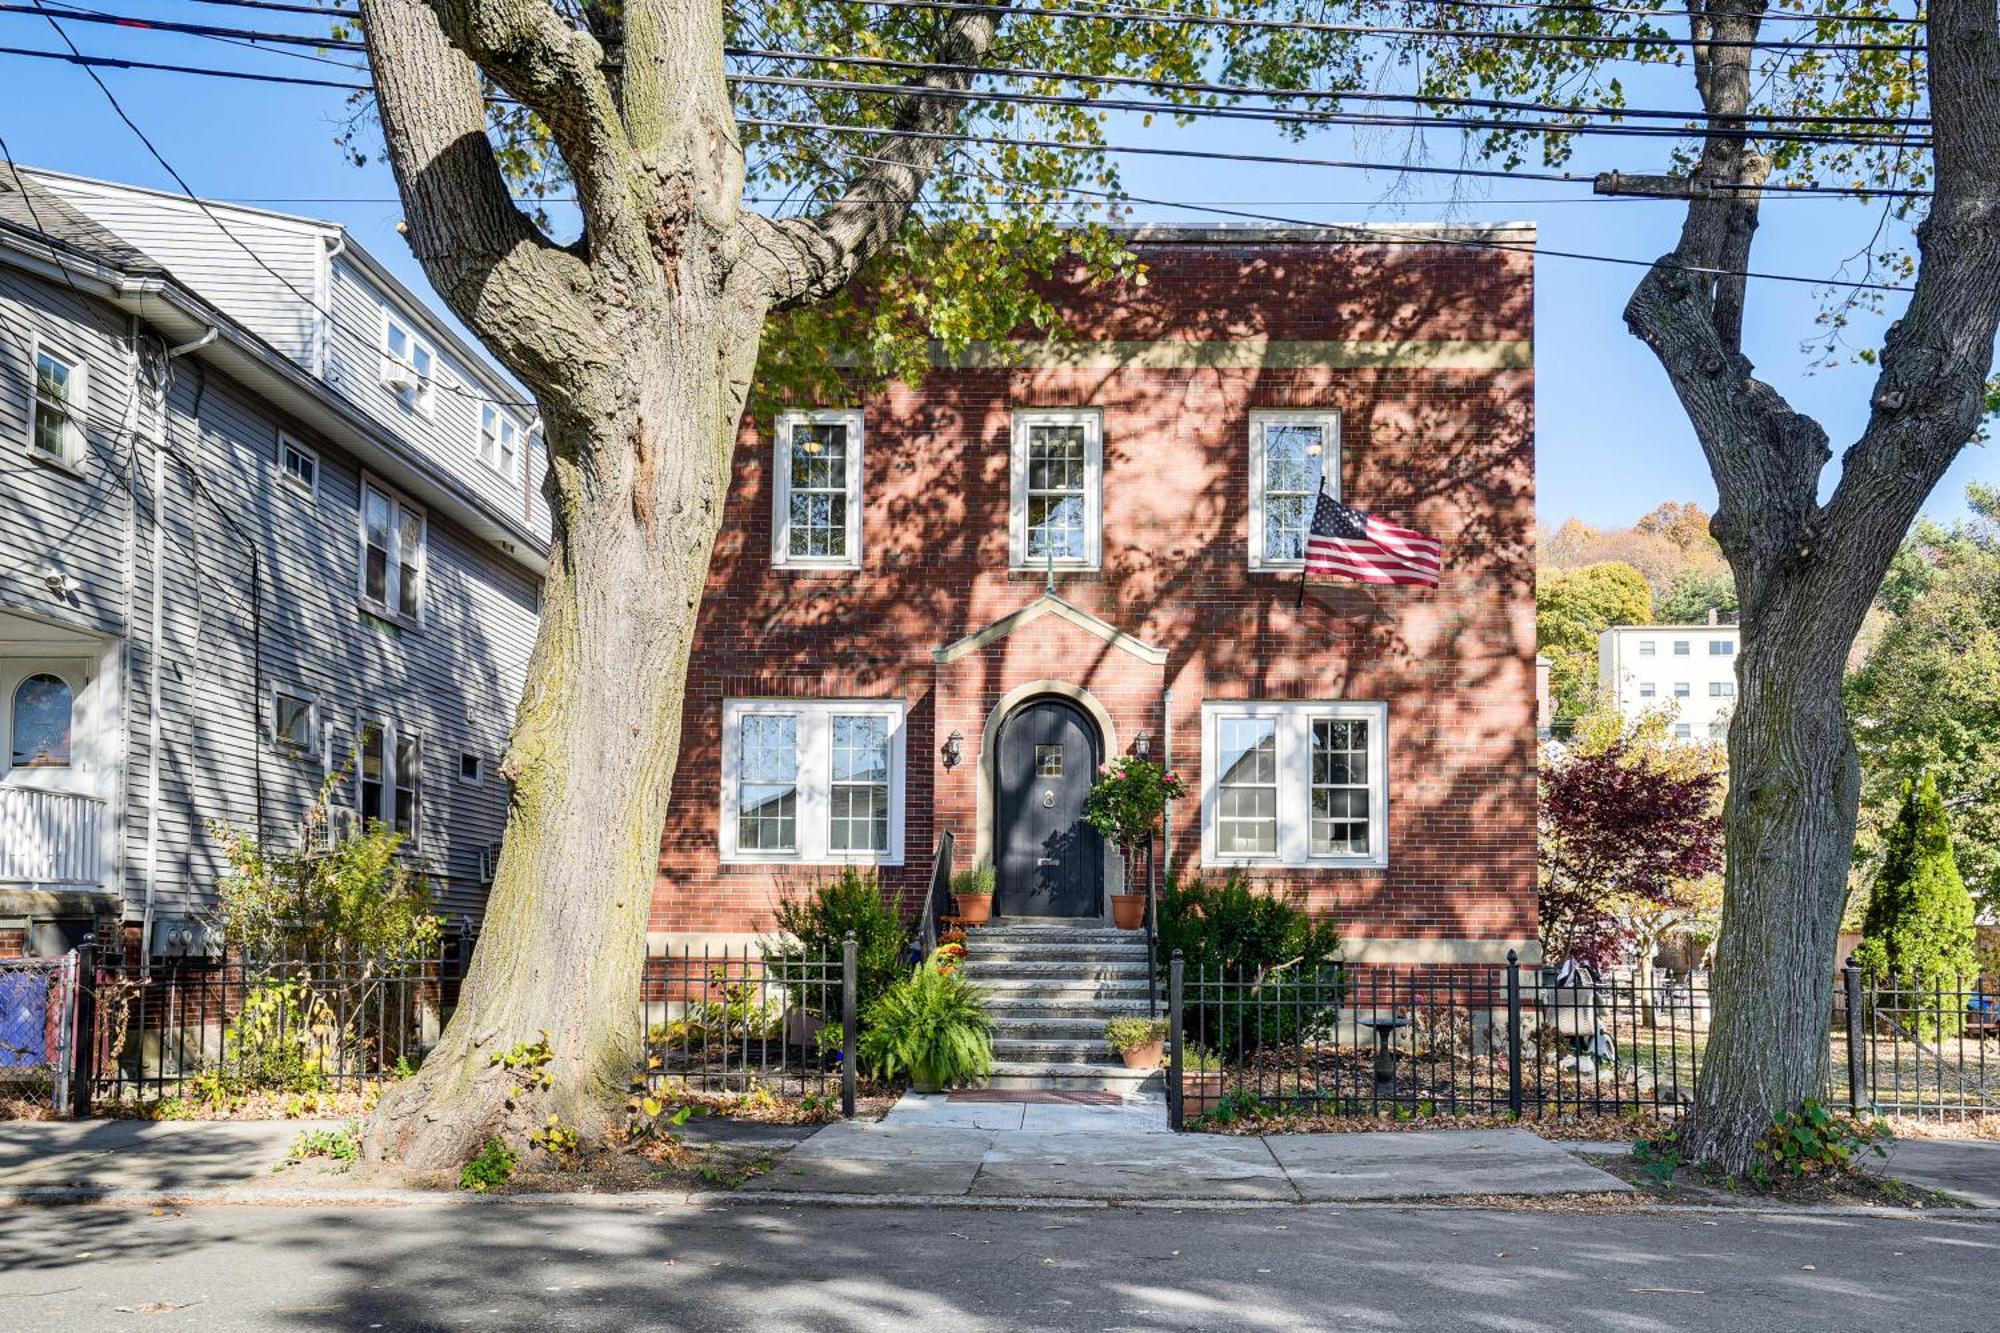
1048, 861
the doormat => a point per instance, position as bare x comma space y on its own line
1038, 1097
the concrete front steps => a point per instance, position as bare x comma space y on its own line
1051, 988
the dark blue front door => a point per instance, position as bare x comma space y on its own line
1048, 861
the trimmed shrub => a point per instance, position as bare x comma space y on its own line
812, 925
1276, 960
1919, 925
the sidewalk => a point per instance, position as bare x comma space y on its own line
938, 1147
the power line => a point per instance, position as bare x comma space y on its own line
208, 212
1128, 14
1276, 92
1214, 155
1354, 118
76, 15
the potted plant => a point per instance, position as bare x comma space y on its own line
972, 890
1125, 805
1139, 1042
930, 1027
1201, 1082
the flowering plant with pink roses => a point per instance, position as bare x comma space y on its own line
1127, 800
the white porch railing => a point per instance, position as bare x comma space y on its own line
50, 837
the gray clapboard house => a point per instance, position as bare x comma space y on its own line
263, 518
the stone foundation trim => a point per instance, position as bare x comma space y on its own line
1382, 949
1243, 354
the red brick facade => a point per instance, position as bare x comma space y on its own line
1423, 352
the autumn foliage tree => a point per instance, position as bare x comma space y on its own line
1619, 826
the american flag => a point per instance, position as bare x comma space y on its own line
1346, 543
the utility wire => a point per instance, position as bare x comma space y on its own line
1164, 18
1214, 155
1354, 118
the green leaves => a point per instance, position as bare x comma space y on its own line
931, 1027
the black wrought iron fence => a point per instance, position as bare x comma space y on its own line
731, 1020
222, 1029
37, 1036
1471, 1039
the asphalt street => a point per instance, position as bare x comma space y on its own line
502, 1265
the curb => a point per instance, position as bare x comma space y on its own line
34, 1196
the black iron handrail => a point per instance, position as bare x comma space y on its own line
937, 899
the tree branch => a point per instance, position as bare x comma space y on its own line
557, 71
1931, 393
802, 260
508, 282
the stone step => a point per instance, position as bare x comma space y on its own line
1014, 1049
1054, 934
988, 969
1059, 994
1073, 1077
1035, 1014
1056, 951
1066, 1025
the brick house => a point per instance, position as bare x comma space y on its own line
940, 607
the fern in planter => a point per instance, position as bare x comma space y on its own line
931, 1027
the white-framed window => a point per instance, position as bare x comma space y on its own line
1295, 783
392, 551
298, 464
816, 504
1683, 731
1293, 456
1681, 689
409, 366
471, 768
812, 781
1647, 648
500, 441
294, 721
388, 776
1722, 689
1721, 648
1646, 690
1055, 515
56, 407
1681, 648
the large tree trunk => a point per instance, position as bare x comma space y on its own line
591, 763
1789, 819
640, 343
1807, 571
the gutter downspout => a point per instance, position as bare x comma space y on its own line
158, 616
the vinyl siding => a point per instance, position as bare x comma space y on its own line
210, 250
455, 680
50, 518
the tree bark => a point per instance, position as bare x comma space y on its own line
639, 343
1806, 572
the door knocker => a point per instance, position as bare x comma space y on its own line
1048, 799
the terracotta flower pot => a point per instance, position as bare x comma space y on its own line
975, 909
1128, 910
1200, 1093
1145, 1056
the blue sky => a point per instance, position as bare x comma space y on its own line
1612, 441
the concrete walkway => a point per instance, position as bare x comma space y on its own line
937, 1147
124, 1158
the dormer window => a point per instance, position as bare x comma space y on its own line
408, 365
499, 441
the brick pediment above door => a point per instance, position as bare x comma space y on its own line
1082, 624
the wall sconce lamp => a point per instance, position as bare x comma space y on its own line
1142, 744
954, 748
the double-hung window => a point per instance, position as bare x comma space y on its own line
1681, 648
499, 441
294, 721
1293, 456
1295, 783
1646, 689
1057, 471
388, 776
409, 366
1722, 689
392, 552
55, 427
1721, 648
1681, 689
816, 504
1647, 648
812, 781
